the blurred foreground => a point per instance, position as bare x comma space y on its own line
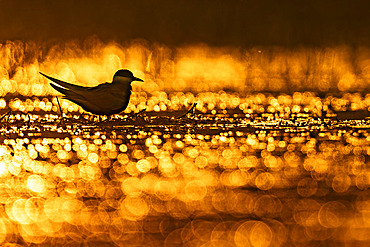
259, 170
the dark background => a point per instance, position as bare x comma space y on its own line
175, 22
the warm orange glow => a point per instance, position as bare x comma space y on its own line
36, 183
244, 168
199, 68
187, 178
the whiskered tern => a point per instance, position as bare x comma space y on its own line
104, 99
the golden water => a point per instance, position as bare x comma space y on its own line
241, 170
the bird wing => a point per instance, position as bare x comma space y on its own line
62, 84
103, 102
70, 91
100, 88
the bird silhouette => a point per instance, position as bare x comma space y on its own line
330, 112
104, 99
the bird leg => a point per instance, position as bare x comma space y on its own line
135, 115
28, 118
81, 115
88, 119
60, 109
5, 114
191, 110
141, 111
108, 118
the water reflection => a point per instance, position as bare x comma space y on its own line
258, 170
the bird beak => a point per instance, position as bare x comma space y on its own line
137, 79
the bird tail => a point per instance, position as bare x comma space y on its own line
61, 86
70, 91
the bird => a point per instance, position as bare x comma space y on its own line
105, 99
329, 112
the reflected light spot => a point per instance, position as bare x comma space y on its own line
19, 213
93, 157
167, 167
3, 230
132, 186
36, 183
307, 187
341, 183
136, 208
143, 165
195, 190
332, 214
253, 233
3, 169
265, 181
165, 190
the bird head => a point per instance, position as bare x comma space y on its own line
126, 74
